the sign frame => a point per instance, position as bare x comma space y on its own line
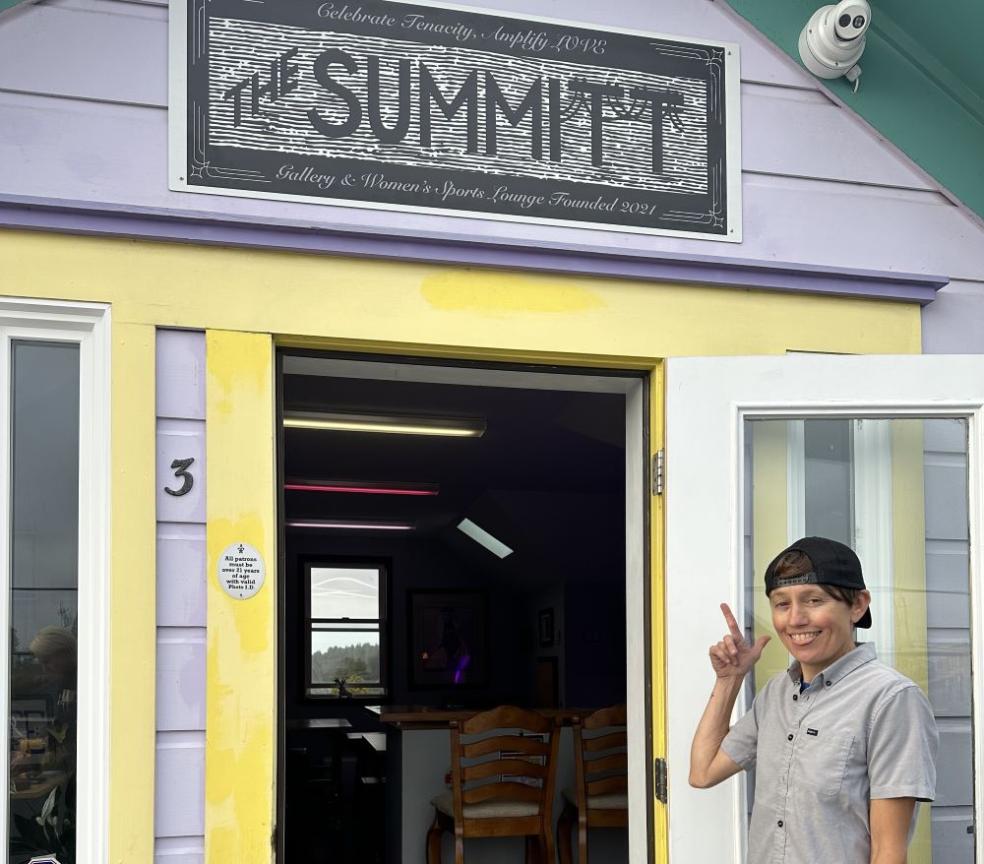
178, 127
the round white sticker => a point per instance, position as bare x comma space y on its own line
241, 571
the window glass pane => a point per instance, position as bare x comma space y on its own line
345, 592
43, 603
352, 656
827, 472
895, 490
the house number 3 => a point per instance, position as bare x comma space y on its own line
180, 467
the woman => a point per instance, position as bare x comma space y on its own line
843, 746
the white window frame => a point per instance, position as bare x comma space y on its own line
88, 326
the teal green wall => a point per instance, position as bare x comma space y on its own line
923, 81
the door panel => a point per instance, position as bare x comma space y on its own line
879, 452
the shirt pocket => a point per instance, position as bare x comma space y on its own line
823, 761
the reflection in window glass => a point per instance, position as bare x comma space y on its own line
44, 498
895, 490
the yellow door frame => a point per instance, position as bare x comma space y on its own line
241, 733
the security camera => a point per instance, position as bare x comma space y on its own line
832, 41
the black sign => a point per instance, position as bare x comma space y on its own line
438, 108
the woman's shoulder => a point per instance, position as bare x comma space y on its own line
886, 685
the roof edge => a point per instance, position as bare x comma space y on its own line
81, 218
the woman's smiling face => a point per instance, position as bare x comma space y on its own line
815, 627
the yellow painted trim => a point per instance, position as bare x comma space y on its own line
368, 306
770, 510
909, 551
657, 610
133, 613
240, 747
909, 578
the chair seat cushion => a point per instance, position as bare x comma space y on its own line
496, 808
611, 801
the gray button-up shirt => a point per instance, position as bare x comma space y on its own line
861, 730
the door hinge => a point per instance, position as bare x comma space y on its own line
658, 469
660, 775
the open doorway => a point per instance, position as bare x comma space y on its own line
454, 538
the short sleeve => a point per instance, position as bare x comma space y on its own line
902, 747
741, 742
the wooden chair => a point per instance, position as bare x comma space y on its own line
599, 798
484, 800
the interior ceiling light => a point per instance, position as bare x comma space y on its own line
348, 525
483, 538
392, 424
363, 487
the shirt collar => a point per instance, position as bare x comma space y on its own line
854, 659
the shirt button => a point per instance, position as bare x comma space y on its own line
789, 737
779, 823
795, 697
829, 683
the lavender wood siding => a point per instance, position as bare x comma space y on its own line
948, 621
83, 99
181, 612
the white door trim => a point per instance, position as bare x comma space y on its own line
708, 400
88, 325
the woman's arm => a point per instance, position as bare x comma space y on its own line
890, 818
709, 764
731, 659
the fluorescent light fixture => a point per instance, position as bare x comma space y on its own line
391, 424
348, 525
363, 487
483, 538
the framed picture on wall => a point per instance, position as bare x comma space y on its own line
448, 632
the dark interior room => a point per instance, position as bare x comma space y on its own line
388, 520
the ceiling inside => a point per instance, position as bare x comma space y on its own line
547, 477
923, 81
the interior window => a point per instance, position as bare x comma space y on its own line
346, 627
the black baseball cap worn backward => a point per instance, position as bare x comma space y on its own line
833, 563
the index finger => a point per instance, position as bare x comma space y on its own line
731, 622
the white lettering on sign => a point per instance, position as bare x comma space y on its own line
241, 571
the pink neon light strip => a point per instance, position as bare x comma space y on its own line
358, 526
362, 490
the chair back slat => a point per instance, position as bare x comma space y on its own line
508, 790
509, 754
506, 717
616, 762
603, 717
616, 783
600, 757
605, 742
495, 767
514, 743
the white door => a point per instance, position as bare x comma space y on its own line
882, 452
